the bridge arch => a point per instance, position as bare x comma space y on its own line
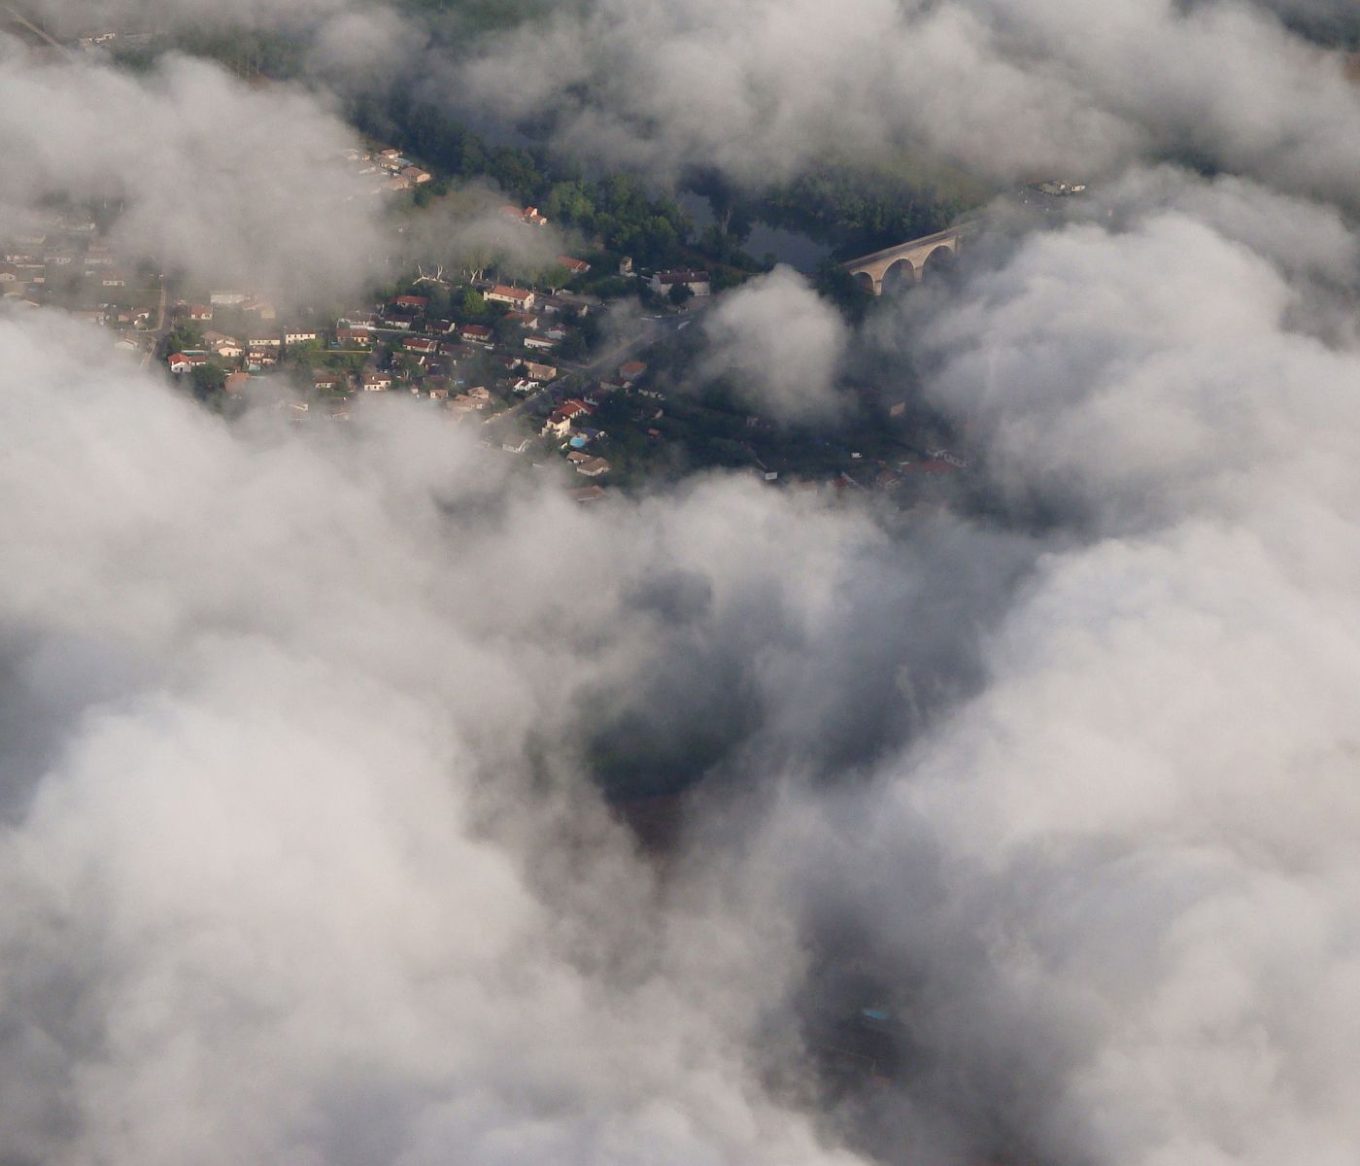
941, 261
865, 282
900, 274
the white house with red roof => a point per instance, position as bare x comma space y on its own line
182, 362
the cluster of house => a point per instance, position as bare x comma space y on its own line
429, 355
386, 170
63, 259
569, 424
63, 248
256, 347
537, 322
467, 366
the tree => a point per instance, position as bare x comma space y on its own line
680, 294
207, 380
834, 283
573, 347
186, 336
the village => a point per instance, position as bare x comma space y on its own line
475, 350
529, 362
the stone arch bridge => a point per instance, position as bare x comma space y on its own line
907, 263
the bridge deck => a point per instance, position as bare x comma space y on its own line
910, 245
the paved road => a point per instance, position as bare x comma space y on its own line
25, 25
160, 324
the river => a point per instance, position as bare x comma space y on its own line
794, 248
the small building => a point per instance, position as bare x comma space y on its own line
182, 362
528, 215
472, 401
558, 424
664, 282
568, 304
516, 297
560, 420
595, 467
538, 372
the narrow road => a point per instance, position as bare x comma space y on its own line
160, 325
28, 26
650, 333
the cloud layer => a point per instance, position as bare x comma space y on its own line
779, 346
762, 88
275, 850
302, 728
300, 825
211, 178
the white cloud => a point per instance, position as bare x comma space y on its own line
269, 858
779, 345
213, 178
301, 857
761, 89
